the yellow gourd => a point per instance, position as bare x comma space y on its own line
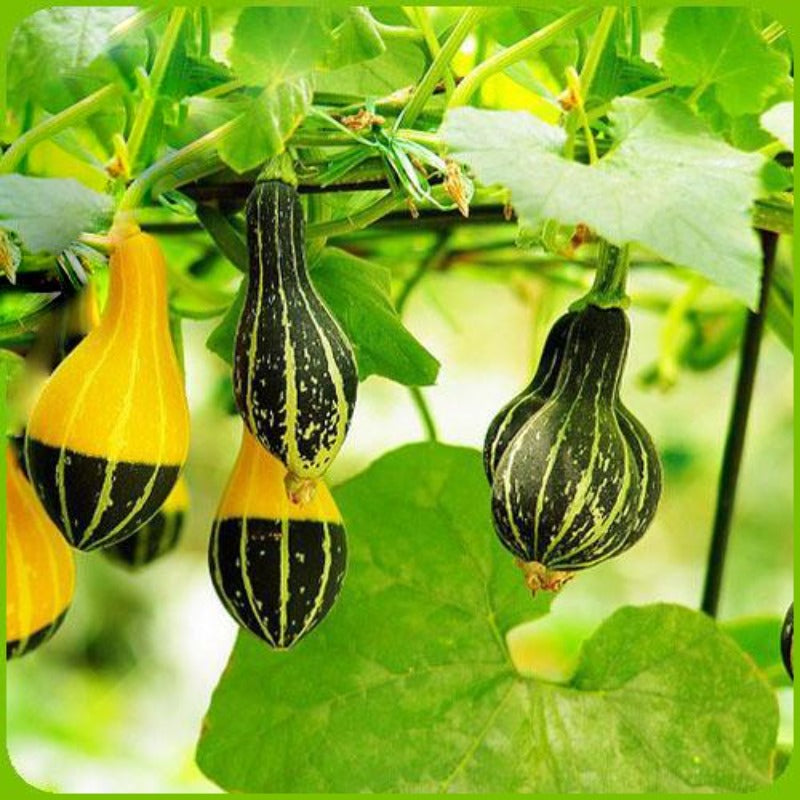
40, 567
109, 434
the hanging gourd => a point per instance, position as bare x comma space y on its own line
506, 424
294, 375
277, 566
40, 567
158, 536
787, 641
580, 481
109, 434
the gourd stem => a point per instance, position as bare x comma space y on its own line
52, 125
737, 428
516, 52
608, 289
426, 86
147, 105
196, 160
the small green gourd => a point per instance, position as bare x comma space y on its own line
277, 566
294, 377
506, 424
580, 481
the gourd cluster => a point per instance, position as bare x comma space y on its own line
99, 467
575, 476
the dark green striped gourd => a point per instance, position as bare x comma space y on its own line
506, 424
109, 434
787, 641
158, 536
580, 481
277, 566
294, 376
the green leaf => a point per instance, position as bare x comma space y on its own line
358, 294
760, 638
722, 48
267, 123
47, 214
779, 121
221, 340
276, 44
408, 686
400, 66
356, 38
11, 366
668, 184
54, 42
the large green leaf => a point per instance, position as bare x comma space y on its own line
408, 685
358, 292
267, 122
760, 638
274, 44
48, 214
668, 184
722, 48
55, 42
397, 68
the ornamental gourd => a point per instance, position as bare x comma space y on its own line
277, 566
787, 641
158, 536
580, 481
40, 567
506, 424
109, 434
294, 376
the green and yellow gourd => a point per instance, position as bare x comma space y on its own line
158, 536
40, 567
295, 377
277, 566
109, 434
580, 481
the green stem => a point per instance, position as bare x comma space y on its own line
196, 160
511, 55
670, 341
645, 91
425, 414
737, 428
224, 235
53, 125
596, 48
423, 22
148, 103
403, 32
608, 289
337, 227
425, 88
138, 20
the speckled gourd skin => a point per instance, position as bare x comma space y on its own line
109, 434
295, 377
277, 566
507, 422
40, 567
580, 481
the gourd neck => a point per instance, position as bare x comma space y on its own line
138, 282
610, 279
546, 377
595, 355
275, 232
